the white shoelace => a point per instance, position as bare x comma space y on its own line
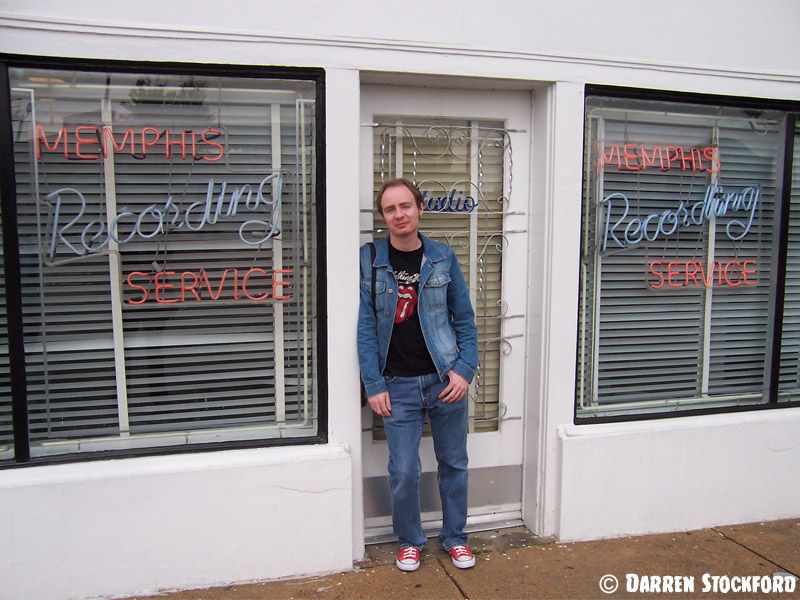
409, 552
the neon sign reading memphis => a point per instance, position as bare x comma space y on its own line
69, 231
624, 229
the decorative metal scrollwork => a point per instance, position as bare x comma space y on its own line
464, 171
455, 142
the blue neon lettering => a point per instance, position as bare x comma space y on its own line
65, 226
449, 203
623, 230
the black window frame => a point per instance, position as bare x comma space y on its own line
11, 258
778, 264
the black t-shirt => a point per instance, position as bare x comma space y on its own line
408, 355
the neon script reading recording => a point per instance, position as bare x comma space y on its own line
624, 230
67, 221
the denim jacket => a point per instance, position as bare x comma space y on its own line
444, 308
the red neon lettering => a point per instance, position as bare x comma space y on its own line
79, 141
276, 283
204, 275
672, 156
733, 273
263, 296
746, 272
164, 286
180, 143
145, 143
108, 136
638, 157
191, 288
630, 153
693, 272
685, 160
192, 284
138, 287
697, 159
216, 133
604, 159
710, 153
660, 284
41, 138
672, 270
737, 282
708, 278
91, 135
651, 161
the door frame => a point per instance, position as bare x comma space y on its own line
496, 482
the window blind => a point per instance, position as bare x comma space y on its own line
650, 340
790, 340
459, 165
215, 330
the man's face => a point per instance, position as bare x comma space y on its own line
400, 211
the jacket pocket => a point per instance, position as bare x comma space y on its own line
381, 296
435, 291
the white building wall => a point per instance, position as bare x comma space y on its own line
137, 525
678, 474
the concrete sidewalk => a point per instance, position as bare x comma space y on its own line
512, 563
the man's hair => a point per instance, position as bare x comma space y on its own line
398, 182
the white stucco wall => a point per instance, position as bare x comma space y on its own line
137, 525
678, 474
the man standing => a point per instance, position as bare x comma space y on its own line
418, 352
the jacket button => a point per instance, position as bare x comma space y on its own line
391, 290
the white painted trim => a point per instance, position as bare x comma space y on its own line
117, 29
115, 279
279, 352
342, 138
163, 465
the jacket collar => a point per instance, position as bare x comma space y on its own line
430, 250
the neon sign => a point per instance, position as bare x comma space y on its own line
68, 218
90, 142
171, 287
638, 157
449, 203
678, 274
626, 231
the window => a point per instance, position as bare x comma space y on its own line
167, 229
462, 167
683, 207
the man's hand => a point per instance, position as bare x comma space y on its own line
456, 389
381, 404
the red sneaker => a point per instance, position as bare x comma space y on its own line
462, 557
408, 559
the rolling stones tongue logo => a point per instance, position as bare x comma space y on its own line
406, 302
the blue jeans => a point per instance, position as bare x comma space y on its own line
411, 398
